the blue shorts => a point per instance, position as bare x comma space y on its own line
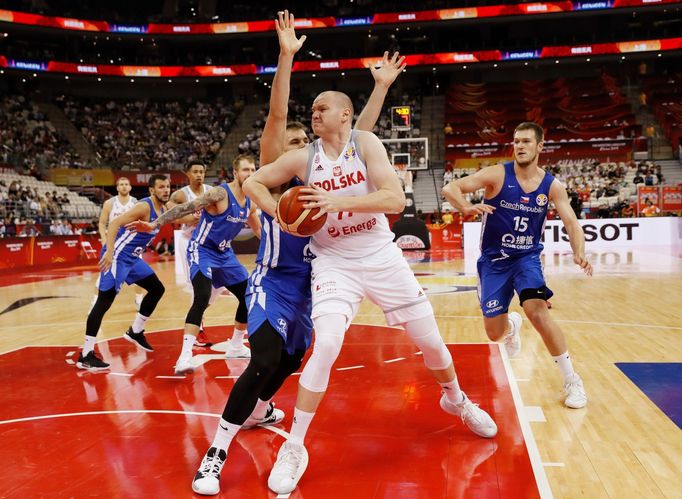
223, 269
129, 271
497, 281
288, 313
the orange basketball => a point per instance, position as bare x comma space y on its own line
296, 219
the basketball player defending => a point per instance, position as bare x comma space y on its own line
212, 261
111, 209
279, 296
355, 257
196, 172
514, 211
121, 261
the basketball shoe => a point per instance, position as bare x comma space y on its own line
272, 416
512, 341
184, 365
475, 418
292, 460
207, 480
240, 351
91, 362
138, 339
574, 391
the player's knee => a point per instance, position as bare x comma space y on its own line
494, 327
426, 336
291, 363
263, 364
327, 348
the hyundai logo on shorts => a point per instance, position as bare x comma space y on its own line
492, 304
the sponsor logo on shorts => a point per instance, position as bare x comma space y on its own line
308, 255
282, 326
492, 304
138, 251
325, 288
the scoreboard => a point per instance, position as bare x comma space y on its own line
401, 118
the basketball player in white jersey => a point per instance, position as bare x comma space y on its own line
112, 208
196, 172
355, 184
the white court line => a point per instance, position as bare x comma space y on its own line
348, 368
535, 414
171, 377
531, 445
295, 374
226, 377
418, 353
99, 413
121, 374
70, 354
394, 360
556, 465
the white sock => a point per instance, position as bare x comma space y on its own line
238, 337
224, 434
261, 409
187, 344
139, 297
138, 323
565, 364
300, 426
452, 391
89, 344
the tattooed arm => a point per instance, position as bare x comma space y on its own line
215, 195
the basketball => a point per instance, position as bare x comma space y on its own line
296, 219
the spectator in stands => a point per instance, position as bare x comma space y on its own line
638, 178
627, 211
2, 228
10, 227
447, 177
67, 228
650, 179
30, 229
448, 218
56, 228
447, 129
650, 209
92, 228
576, 203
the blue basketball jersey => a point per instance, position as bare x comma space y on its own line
282, 258
216, 232
518, 222
131, 244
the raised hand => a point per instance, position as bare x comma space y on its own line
389, 70
288, 43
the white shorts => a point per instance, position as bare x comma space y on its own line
181, 239
340, 284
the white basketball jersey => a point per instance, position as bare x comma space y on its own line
348, 235
190, 196
118, 209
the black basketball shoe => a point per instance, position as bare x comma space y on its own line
91, 362
138, 339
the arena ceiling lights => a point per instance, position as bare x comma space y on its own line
439, 59
537, 8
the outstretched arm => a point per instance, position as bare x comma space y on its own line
213, 196
576, 236
274, 132
483, 179
384, 76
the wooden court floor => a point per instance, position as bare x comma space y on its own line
630, 311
